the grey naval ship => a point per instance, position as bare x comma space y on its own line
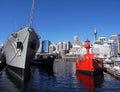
19, 51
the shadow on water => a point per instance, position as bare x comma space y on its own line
91, 83
33, 79
46, 70
39, 77
18, 85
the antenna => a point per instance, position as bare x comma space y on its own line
32, 13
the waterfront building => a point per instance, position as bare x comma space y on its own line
77, 47
119, 44
1, 47
114, 50
77, 50
57, 48
104, 48
114, 38
76, 41
64, 46
69, 45
116, 42
52, 48
102, 40
101, 49
60, 46
45, 46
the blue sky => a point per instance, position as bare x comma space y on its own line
61, 20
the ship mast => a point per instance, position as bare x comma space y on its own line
32, 13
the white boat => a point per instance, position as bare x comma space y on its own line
108, 61
19, 51
117, 65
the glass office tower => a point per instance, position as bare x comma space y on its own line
45, 46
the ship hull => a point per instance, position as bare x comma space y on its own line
44, 60
90, 66
91, 73
19, 51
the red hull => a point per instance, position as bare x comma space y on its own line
89, 63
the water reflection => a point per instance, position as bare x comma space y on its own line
38, 80
18, 85
60, 78
46, 69
9, 83
91, 83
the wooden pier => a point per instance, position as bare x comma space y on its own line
111, 70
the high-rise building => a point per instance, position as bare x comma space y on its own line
76, 40
114, 50
69, 45
76, 47
60, 46
104, 48
64, 46
45, 46
52, 48
101, 48
102, 39
115, 39
118, 43
1, 48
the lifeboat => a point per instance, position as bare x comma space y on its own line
89, 64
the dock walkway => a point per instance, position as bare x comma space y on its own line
110, 69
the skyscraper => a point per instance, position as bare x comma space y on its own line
45, 46
115, 39
52, 48
118, 43
76, 40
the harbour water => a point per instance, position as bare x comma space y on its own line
62, 78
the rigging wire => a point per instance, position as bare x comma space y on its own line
32, 13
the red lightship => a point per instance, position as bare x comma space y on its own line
89, 64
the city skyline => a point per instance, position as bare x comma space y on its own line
61, 20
